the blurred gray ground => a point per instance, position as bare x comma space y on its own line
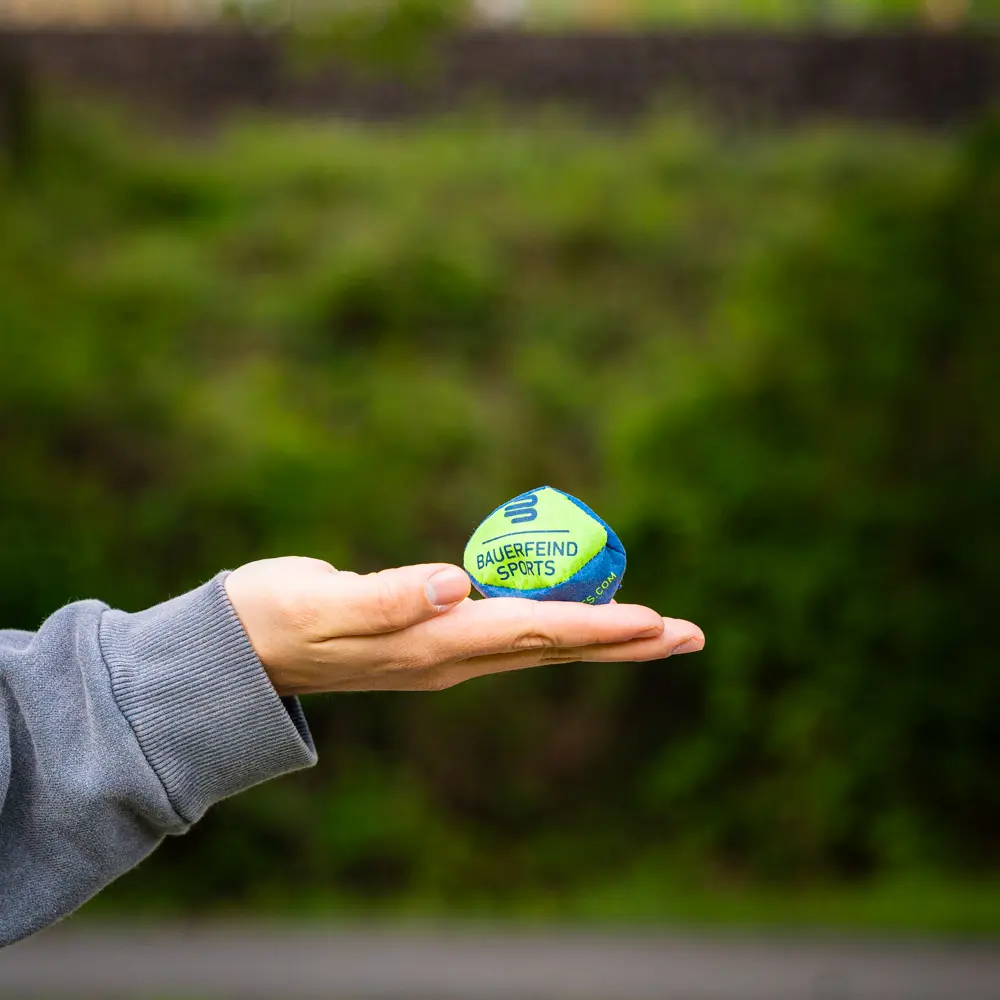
373, 963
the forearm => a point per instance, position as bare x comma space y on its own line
117, 730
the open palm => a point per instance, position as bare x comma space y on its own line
319, 629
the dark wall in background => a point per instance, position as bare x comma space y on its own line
912, 78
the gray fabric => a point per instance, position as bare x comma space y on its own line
119, 729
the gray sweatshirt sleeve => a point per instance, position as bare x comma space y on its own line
119, 729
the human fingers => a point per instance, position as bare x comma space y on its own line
293, 607
501, 625
347, 604
504, 625
678, 637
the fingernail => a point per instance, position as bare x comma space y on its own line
447, 587
692, 645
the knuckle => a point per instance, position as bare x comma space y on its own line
424, 654
533, 640
389, 608
424, 658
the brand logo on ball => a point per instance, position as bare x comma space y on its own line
546, 545
522, 510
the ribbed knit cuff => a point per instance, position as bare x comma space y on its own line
199, 701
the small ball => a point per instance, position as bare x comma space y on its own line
548, 546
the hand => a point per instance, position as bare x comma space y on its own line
318, 629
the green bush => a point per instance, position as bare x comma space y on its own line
770, 362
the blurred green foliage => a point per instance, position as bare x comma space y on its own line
389, 16
939, 14
400, 36
770, 362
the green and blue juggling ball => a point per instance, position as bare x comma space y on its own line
548, 546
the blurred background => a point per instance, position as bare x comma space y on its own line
336, 279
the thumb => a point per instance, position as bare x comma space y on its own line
394, 598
